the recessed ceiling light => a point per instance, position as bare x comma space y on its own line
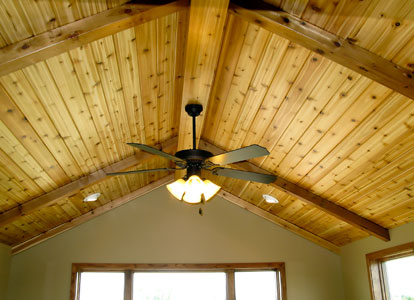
270, 199
91, 197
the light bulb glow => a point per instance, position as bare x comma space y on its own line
91, 197
270, 199
192, 190
210, 189
177, 188
194, 187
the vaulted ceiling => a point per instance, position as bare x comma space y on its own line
326, 86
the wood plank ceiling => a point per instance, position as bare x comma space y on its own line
325, 86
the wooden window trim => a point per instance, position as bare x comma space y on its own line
229, 269
376, 273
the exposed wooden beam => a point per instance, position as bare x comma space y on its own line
205, 32
341, 51
310, 198
91, 214
73, 35
278, 221
77, 185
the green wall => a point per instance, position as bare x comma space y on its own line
5, 257
156, 228
354, 266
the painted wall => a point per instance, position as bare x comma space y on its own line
5, 257
156, 228
354, 264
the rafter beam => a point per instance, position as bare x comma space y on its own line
310, 198
91, 214
205, 31
337, 49
77, 185
278, 221
73, 35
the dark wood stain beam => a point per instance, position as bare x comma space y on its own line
84, 31
310, 198
339, 50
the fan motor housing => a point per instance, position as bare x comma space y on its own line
195, 160
193, 154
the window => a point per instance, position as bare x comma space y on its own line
265, 281
391, 273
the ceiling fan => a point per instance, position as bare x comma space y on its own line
193, 189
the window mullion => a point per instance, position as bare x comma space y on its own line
128, 285
231, 291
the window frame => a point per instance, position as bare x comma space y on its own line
376, 274
228, 268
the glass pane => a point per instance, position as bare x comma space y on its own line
256, 285
101, 286
400, 278
179, 286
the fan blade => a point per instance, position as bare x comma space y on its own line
245, 153
149, 149
142, 171
244, 175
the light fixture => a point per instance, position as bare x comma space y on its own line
270, 199
91, 197
194, 190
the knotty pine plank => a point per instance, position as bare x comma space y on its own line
379, 177
346, 235
395, 130
16, 174
349, 16
22, 92
333, 146
39, 15
146, 35
205, 34
393, 201
14, 26
44, 87
183, 19
12, 193
336, 107
65, 11
18, 124
405, 56
333, 80
91, 87
236, 29
258, 87
396, 202
22, 157
67, 82
166, 45
107, 66
396, 162
2, 41
311, 73
319, 12
89, 8
294, 205
290, 67
254, 44
295, 7
128, 67
379, 28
